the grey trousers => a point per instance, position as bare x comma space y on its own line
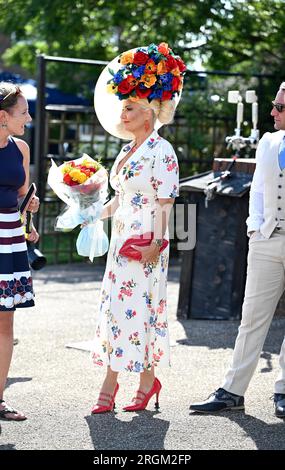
264, 287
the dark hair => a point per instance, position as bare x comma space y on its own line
9, 93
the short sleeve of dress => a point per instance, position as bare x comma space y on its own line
165, 172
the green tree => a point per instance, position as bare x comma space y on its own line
100, 29
233, 35
249, 36
226, 34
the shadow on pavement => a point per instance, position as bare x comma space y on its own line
264, 435
143, 432
221, 334
74, 273
13, 380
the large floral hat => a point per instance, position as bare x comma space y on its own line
153, 73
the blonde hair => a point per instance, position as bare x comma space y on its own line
163, 110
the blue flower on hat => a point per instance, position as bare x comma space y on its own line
118, 77
139, 71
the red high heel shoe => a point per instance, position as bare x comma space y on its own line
145, 397
109, 399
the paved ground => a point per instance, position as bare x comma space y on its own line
56, 386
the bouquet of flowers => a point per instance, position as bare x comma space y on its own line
82, 184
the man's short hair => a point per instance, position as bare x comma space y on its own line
282, 86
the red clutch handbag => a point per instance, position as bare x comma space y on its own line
141, 240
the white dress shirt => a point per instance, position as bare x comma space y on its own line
256, 199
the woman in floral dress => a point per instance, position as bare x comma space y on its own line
132, 329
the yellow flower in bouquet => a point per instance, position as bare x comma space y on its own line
75, 174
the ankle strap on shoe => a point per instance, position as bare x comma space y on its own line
137, 397
108, 398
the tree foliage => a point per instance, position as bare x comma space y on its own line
226, 34
97, 29
250, 37
234, 35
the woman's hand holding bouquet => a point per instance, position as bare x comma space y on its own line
82, 184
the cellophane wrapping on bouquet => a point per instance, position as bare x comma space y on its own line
83, 185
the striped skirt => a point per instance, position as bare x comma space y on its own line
16, 289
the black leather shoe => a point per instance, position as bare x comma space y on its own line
220, 400
279, 401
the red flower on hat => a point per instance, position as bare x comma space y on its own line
140, 58
125, 86
132, 81
166, 95
143, 92
163, 48
170, 63
176, 83
181, 65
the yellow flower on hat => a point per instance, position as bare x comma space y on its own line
127, 58
176, 72
148, 80
150, 66
111, 88
161, 68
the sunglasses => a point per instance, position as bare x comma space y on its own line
279, 107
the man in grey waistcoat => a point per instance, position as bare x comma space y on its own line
265, 272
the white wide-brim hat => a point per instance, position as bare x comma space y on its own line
108, 107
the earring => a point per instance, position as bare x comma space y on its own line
146, 126
4, 126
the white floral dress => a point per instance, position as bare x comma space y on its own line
132, 328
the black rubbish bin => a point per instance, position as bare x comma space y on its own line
213, 274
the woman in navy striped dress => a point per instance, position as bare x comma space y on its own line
15, 278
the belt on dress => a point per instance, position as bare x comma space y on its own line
8, 210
